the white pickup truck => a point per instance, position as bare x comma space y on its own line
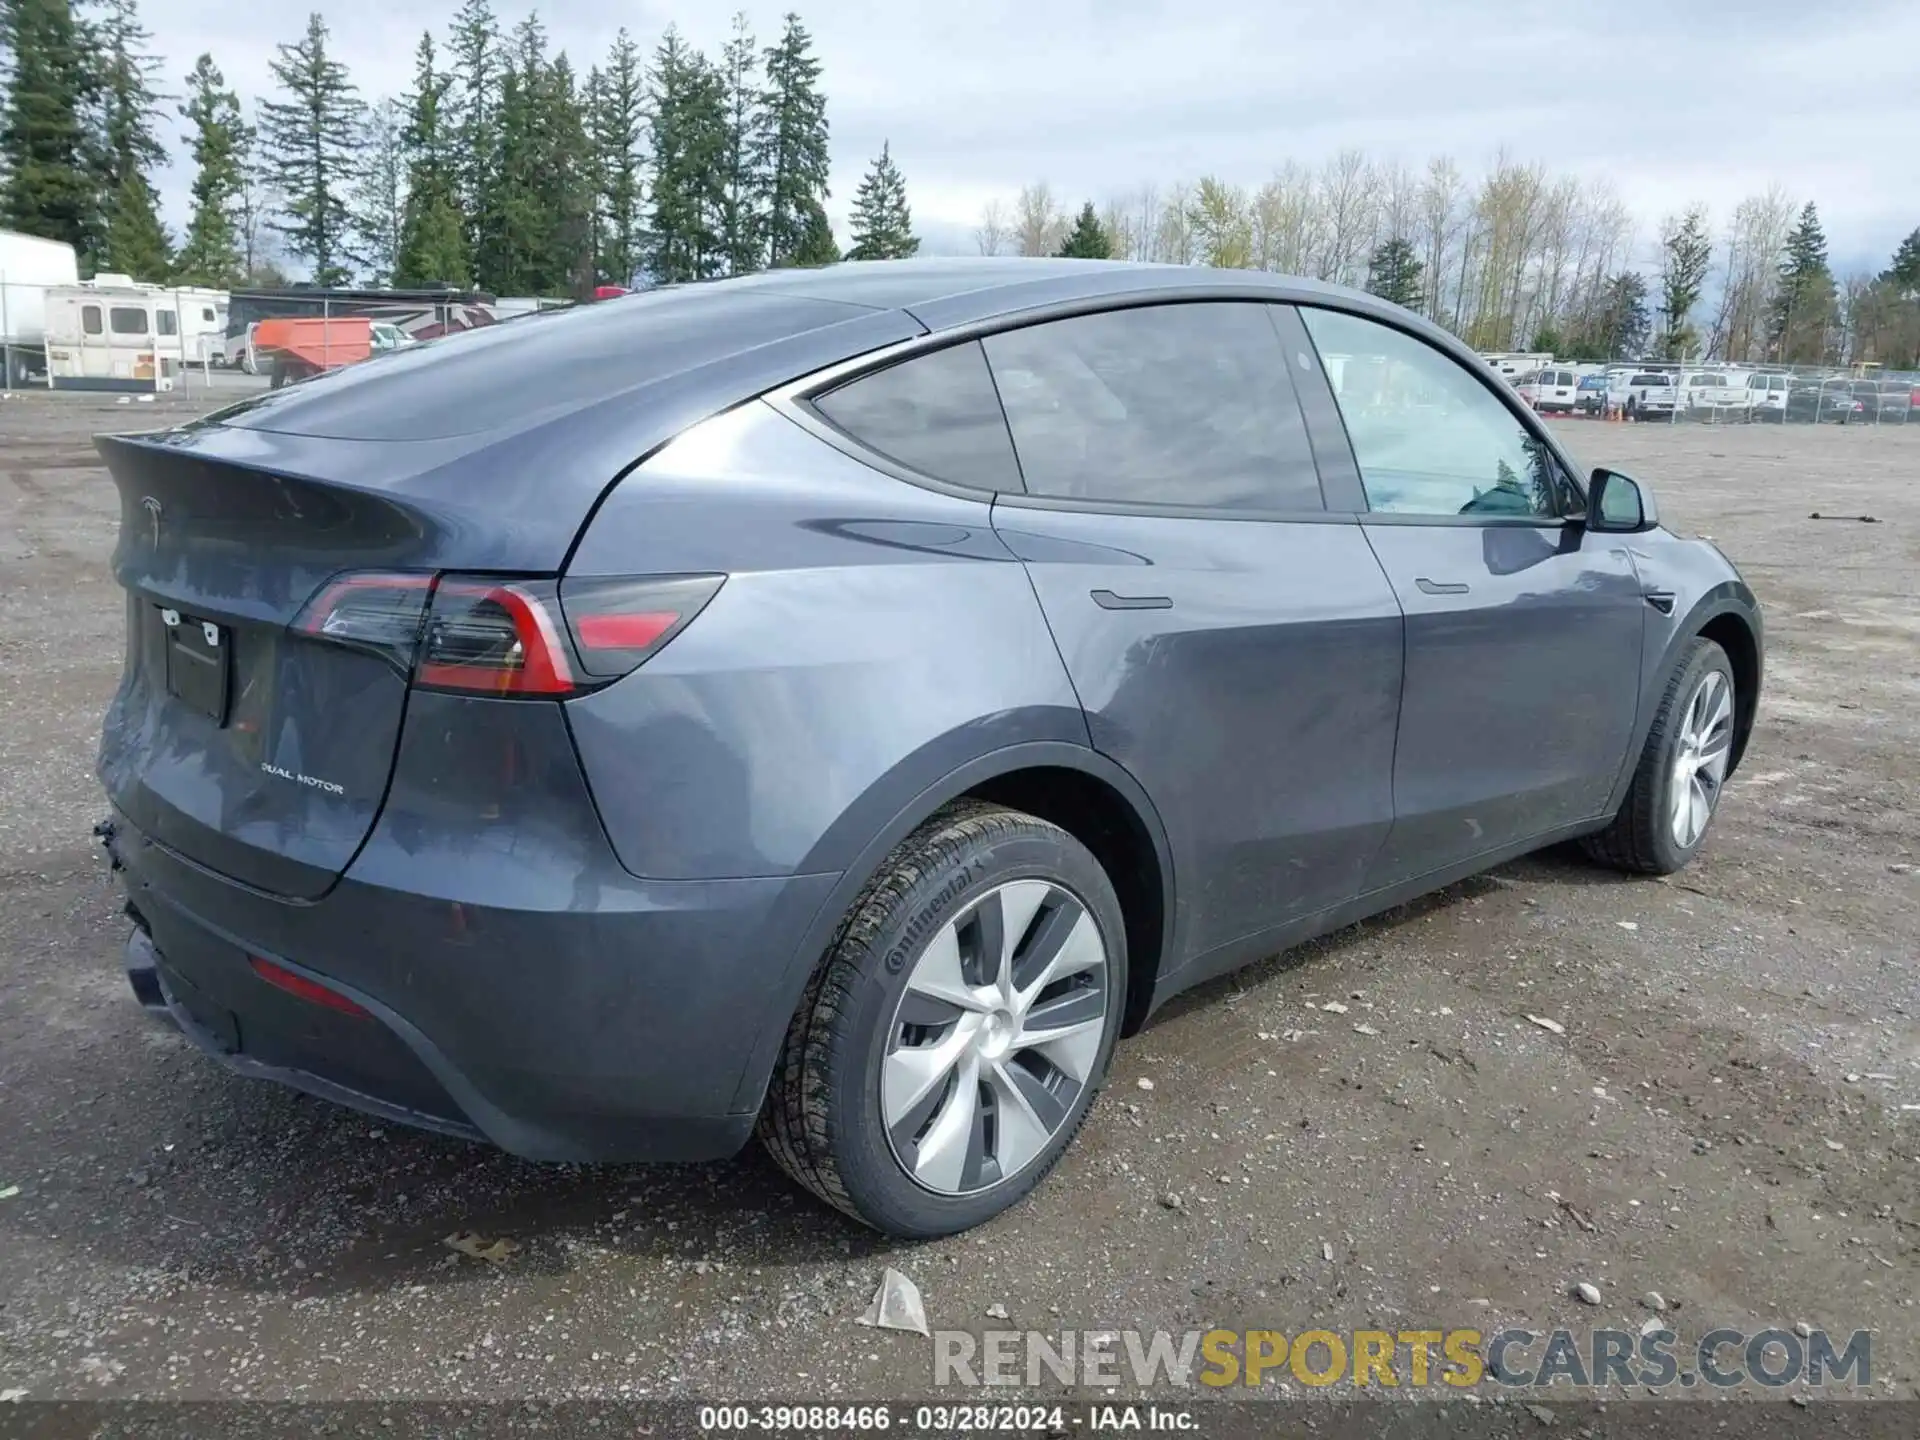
1643, 394
1711, 395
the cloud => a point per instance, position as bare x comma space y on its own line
1688, 103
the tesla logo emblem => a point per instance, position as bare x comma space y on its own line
152, 507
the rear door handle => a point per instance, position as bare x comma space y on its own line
1107, 600
1439, 587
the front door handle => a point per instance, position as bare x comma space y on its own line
1107, 600
1440, 587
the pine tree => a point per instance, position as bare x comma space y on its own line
137, 243
619, 130
310, 142
791, 151
509, 223
568, 181
1805, 306
817, 245
1904, 273
1395, 273
210, 254
433, 235
742, 212
1686, 252
473, 100
536, 232
251, 207
689, 139
882, 225
379, 195
1088, 240
1626, 323
51, 185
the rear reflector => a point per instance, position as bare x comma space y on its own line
304, 989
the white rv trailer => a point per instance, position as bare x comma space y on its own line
28, 265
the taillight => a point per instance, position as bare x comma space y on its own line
371, 611
506, 637
493, 637
618, 623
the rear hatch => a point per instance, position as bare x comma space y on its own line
263, 752
258, 752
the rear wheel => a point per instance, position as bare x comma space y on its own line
1676, 788
947, 1050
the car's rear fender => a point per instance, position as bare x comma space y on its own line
869, 638
903, 800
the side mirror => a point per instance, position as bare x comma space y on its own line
1619, 504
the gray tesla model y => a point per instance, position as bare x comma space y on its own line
839, 704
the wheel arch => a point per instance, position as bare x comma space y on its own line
1071, 785
1728, 615
1733, 633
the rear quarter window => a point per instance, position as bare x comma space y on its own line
937, 414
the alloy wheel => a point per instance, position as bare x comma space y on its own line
1700, 759
995, 1037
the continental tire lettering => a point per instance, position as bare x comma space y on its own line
927, 921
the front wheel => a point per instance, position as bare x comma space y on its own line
1676, 788
949, 1046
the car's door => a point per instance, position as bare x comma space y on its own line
1235, 646
1523, 630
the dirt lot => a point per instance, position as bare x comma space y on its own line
1722, 1120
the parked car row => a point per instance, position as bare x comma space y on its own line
1719, 395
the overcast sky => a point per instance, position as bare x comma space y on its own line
1673, 102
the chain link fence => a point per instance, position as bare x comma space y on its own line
1671, 393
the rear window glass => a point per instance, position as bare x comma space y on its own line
936, 413
1648, 380
1182, 405
127, 320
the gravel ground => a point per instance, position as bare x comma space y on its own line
1722, 1120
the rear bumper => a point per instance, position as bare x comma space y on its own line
618, 1025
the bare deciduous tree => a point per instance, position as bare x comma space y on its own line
1348, 202
1038, 225
1750, 270
990, 235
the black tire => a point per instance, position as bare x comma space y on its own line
1630, 409
1639, 839
821, 1121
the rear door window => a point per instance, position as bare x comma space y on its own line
1188, 406
90, 320
935, 413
